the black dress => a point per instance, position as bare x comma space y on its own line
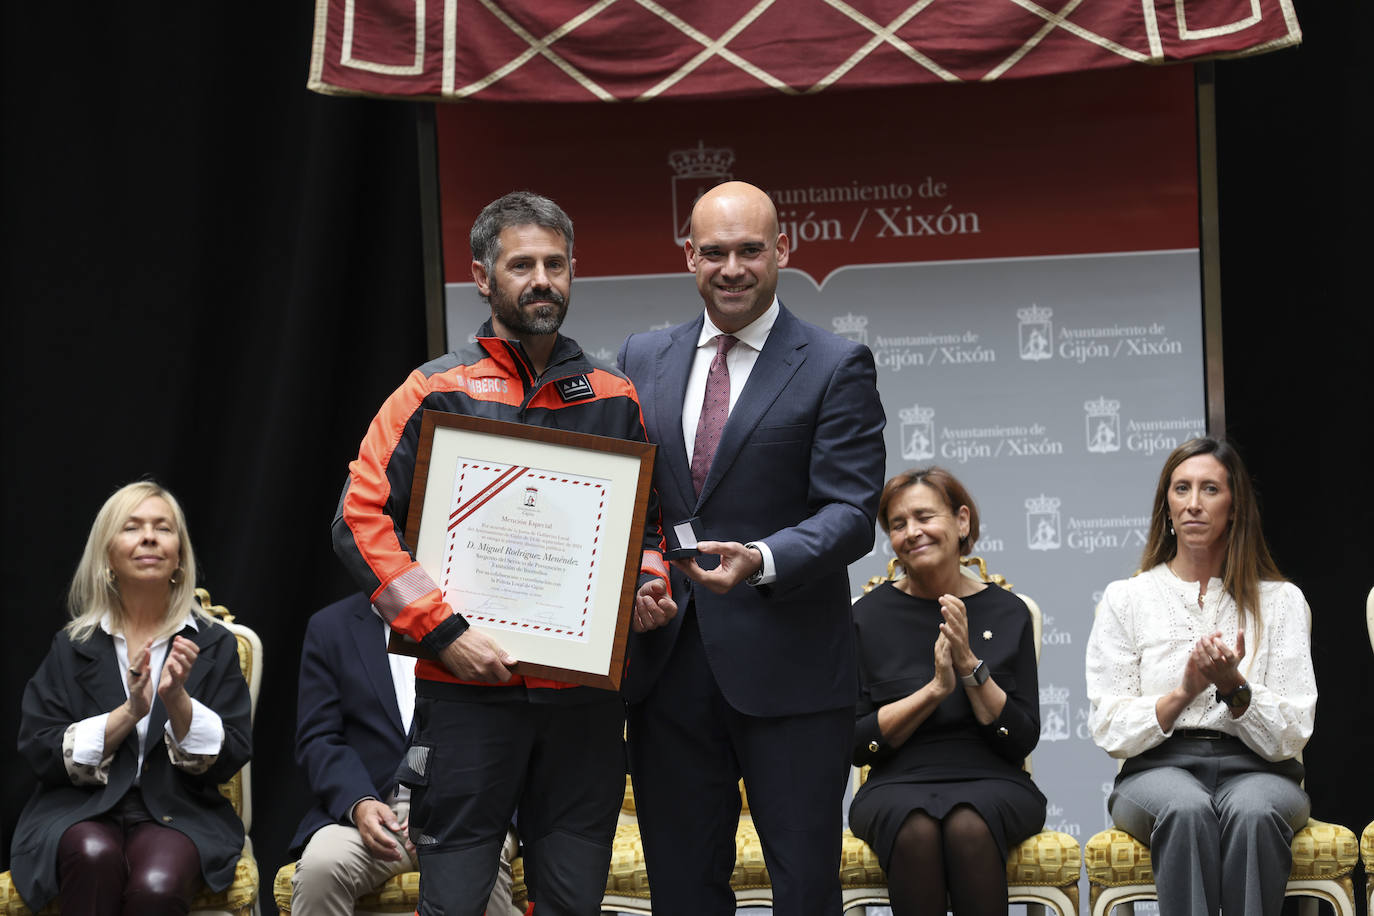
950, 759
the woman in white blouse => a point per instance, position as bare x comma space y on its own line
1200, 676
134, 717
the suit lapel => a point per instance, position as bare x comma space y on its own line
99, 675
98, 671
674, 365
366, 633
781, 357
208, 647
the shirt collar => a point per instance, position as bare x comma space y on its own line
754, 334
190, 621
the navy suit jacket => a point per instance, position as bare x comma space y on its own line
799, 465
349, 738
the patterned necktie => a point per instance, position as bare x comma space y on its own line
715, 409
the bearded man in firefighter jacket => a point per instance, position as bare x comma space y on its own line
486, 741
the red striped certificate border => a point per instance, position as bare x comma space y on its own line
505, 477
510, 445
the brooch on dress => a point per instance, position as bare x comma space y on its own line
987, 634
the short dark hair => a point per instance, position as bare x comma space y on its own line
954, 493
518, 208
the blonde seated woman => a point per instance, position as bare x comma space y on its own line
948, 710
1200, 677
135, 716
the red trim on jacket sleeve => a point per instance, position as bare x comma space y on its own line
407, 597
651, 564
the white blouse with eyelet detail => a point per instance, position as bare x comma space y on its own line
1147, 625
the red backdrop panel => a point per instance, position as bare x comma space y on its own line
1064, 165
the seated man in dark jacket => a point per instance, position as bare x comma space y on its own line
352, 718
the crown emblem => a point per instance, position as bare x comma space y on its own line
1052, 694
917, 414
1043, 503
846, 324
1102, 407
702, 162
1034, 313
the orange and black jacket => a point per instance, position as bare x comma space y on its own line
491, 378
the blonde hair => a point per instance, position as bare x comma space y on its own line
94, 590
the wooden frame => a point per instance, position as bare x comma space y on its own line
539, 512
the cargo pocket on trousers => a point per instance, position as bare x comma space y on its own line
413, 773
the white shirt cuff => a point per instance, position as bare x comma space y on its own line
768, 570
89, 735
205, 736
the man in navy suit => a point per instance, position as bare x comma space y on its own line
770, 434
352, 718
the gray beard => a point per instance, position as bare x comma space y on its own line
547, 319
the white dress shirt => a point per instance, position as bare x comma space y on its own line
205, 736
740, 362
402, 676
1147, 625
403, 679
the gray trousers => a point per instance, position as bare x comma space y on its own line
1219, 821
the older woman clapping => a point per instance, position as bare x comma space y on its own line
948, 708
1200, 676
134, 717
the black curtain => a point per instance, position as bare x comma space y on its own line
213, 277
1295, 191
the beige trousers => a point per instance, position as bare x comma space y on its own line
336, 869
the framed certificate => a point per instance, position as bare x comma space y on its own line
534, 535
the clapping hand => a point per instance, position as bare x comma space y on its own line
180, 657
944, 681
955, 629
141, 682
1218, 662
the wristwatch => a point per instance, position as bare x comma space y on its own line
756, 577
977, 677
1236, 699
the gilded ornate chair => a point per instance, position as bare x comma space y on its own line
1324, 855
241, 897
1367, 838
1119, 869
1042, 872
627, 884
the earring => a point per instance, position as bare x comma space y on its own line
176, 576
1171, 527
110, 576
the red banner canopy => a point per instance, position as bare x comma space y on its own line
636, 50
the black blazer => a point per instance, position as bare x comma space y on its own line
349, 738
80, 680
800, 465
